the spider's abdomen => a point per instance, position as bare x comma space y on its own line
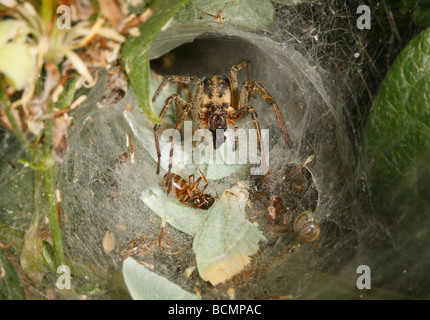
216, 93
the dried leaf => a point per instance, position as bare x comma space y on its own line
59, 139
80, 66
109, 241
80, 9
111, 9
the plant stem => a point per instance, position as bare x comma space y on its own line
47, 10
50, 183
49, 128
37, 192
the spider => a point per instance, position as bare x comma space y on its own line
216, 104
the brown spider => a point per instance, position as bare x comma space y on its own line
216, 104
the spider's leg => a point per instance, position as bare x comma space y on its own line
178, 127
236, 133
161, 86
255, 86
167, 104
203, 123
185, 88
233, 81
177, 107
251, 111
182, 80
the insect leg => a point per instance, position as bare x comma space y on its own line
204, 178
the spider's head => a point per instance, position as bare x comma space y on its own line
217, 124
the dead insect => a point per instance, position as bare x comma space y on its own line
122, 158
217, 103
139, 247
183, 191
218, 16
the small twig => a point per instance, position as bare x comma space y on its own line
6, 246
131, 147
58, 196
137, 20
366, 86
169, 241
293, 172
392, 22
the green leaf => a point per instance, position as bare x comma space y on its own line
32, 260
48, 255
251, 14
397, 136
224, 238
420, 11
13, 30
17, 63
179, 215
135, 52
66, 98
11, 287
146, 285
227, 239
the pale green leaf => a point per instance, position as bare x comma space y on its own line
14, 30
17, 63
179, 215
147, 285
227, 239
